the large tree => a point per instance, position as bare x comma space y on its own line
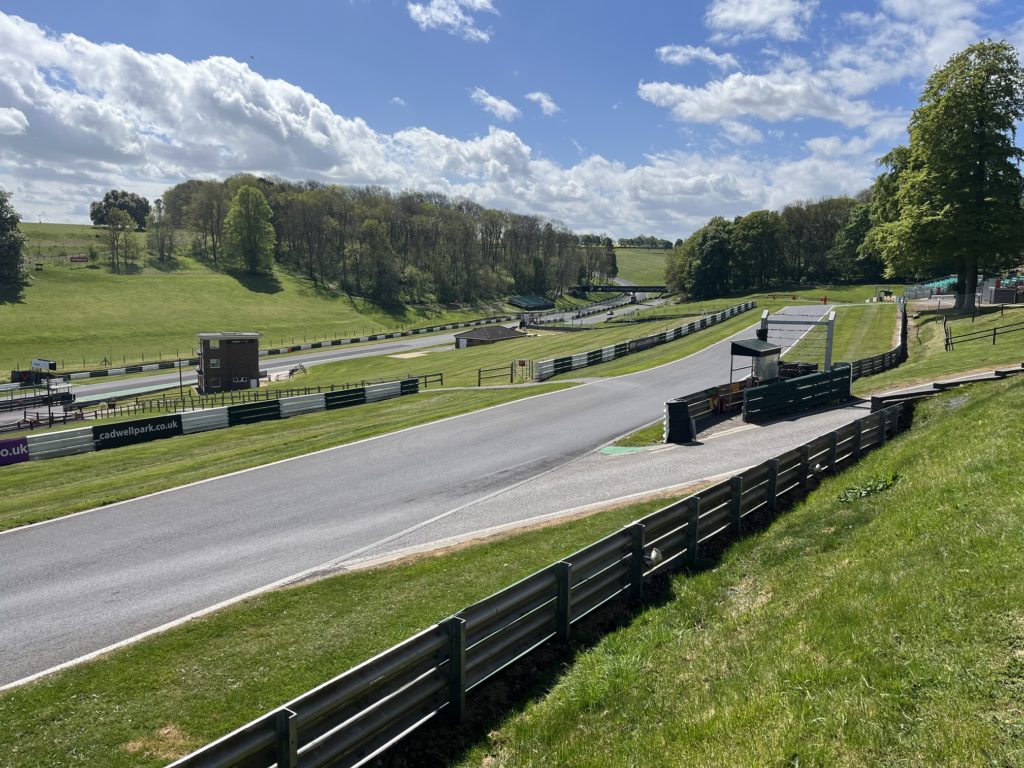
959, 195
249, 233
12, 245
134, 205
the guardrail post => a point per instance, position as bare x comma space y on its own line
833, 451
692, 524
456, 669
287, 726
883, 425
563, 605
857, 436
805, 464
736, 504
636, 563
773, 483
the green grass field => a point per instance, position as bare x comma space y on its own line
929, 361
884, 631
642, 266
81, 317
861, 330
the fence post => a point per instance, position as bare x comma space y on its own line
833, 451
563, 608
773, 482
883, 425
692, 524
857, 438
993, 337
456, 669
736, 503
636, 563
805, 464
287, 739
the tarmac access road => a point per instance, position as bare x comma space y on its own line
79, 584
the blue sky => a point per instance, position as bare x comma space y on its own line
617, 117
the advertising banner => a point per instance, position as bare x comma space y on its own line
13, 451
138, 431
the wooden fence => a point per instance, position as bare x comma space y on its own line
349, 720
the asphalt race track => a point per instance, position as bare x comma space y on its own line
73, 586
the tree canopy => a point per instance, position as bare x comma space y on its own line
134, 205
951, 200
12, 245
249, 231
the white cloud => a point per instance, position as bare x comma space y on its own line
12, 121
398, 101
775, 96
741, 133
101, 116
783, 19
451, 15
500, 108
545, 102
684, 54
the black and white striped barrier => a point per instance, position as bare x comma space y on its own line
173, 364
50, 445
545, 369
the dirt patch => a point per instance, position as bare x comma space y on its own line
746, 597
168, 743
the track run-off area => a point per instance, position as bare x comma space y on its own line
78, 585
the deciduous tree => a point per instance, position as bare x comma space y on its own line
12, 246
249, 233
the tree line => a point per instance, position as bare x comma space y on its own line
806, 242
951, 200
388, 247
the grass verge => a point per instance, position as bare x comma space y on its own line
155, 701
928, 360
43, 490
883, 631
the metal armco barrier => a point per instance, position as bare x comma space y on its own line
351, 719
49, 445
545, 369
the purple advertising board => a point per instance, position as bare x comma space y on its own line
13, 451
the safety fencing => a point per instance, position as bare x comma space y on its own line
803, 393
188, 362
682, 414
351, 719
545, 369
992, 333
49, 445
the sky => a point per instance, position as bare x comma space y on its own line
621, 118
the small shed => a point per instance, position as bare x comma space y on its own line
486, 335
228, 360
764, 365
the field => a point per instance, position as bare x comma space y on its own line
81, 316
866, 630
641, 266
861, 330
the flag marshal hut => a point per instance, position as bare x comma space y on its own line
228, 360
487, 335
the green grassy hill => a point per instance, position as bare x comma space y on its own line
642, 266
883, 631
80, 315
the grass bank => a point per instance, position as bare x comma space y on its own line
43, 490
642, 266
929, 361
882, 631
83, 316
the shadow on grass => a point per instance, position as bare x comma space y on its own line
257, 282
11, 294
